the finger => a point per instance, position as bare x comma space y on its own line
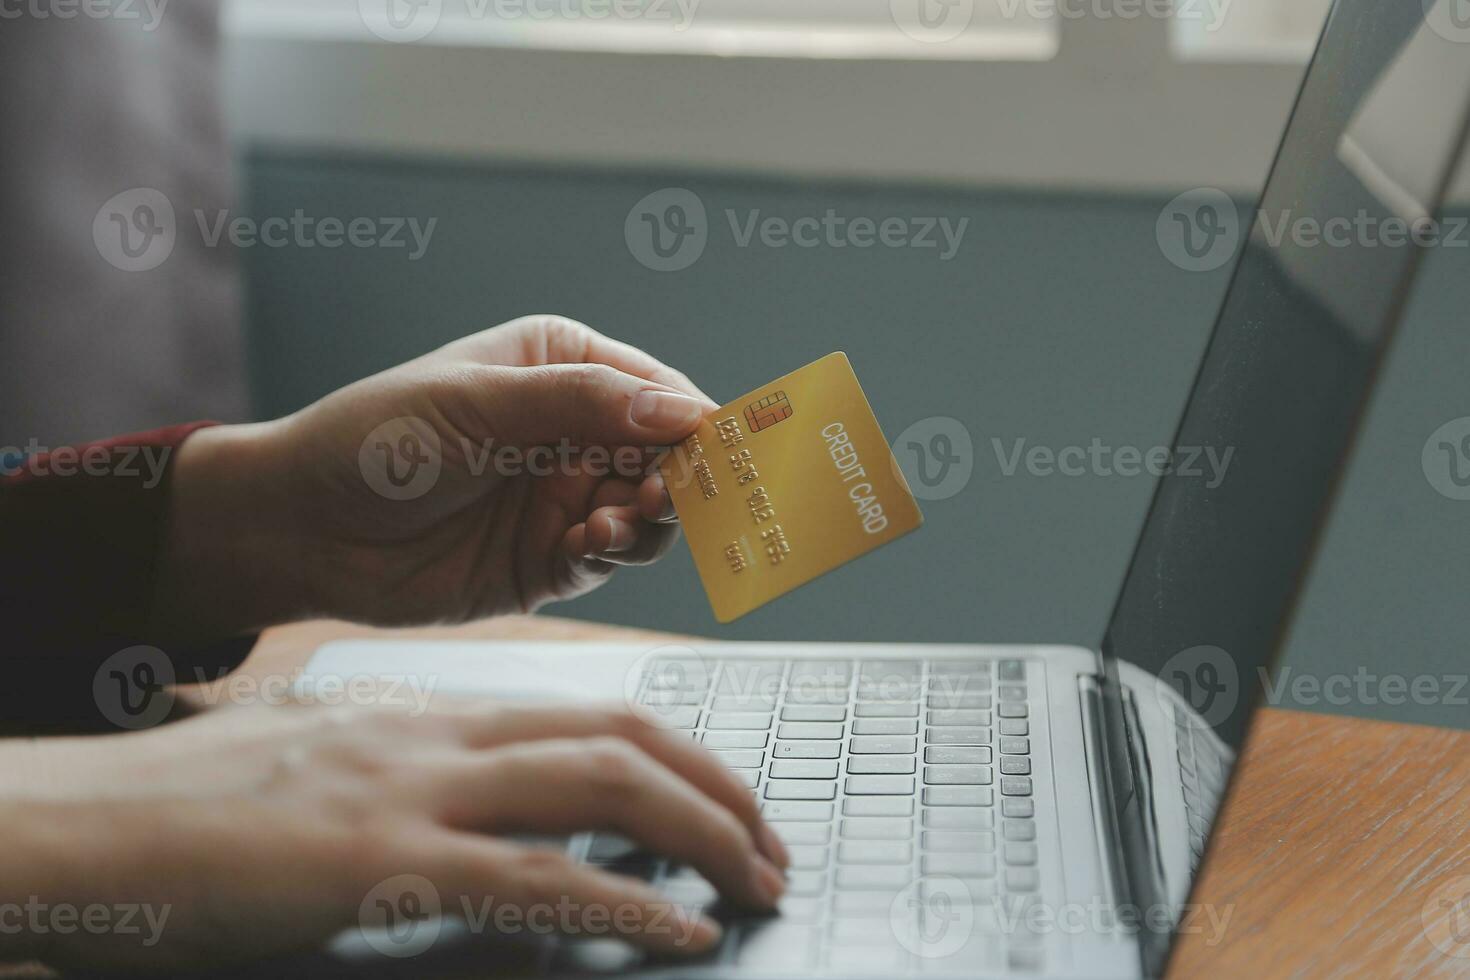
585, 404
572, 341
674, 749
654, 503
654, 541
539, 889
611, 530
573, 573
614, 493
562, 786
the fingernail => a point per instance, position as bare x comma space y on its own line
624, 535
769, 883
666, 510
774, 847
654, 409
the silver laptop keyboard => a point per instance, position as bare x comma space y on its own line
903, 790
1204, 773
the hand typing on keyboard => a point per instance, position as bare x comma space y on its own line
265, 830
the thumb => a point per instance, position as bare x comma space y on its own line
586, 404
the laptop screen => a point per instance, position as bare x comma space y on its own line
1322, 272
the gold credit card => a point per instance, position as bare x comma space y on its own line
784, 484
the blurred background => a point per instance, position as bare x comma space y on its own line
533, 134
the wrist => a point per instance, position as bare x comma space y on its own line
229, 563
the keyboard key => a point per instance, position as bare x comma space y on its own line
970, 892
829, 673
889, 764
749, 777
885, 726
1020, 830
800, 789
861, 878
800, 910
590, 957
957, 736
959, 818
817, 695
802, 769
875, 852
941, 668
745, 720
1015, 746
1020, 855
750, 677
1015, 765
807, 750
1012, 709
881, 709
877, 828
882, 745
736, 702
958, 754
742, 760
808, 857
950, 718
879, 785
1022, 879
735, 740
610, 847
1014, 726
958, 796
675, 717
959, 865
668, 699
803, 884
878, 806
813, 713
1015, 786
862, 904
1018, 808
801, 729
958, 775
1011, 670
803, 812
801, 833
956, 701
970, 843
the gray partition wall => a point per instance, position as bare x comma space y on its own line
1056, 322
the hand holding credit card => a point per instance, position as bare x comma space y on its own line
784, 484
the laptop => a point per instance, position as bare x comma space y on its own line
980, 810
